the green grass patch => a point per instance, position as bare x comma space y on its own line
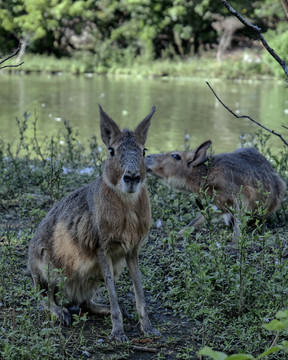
242, 65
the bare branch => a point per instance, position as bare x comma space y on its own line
145, 349
260, 36
247, 117
9, 57
274, 342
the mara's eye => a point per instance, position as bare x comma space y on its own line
111, 151
176, 156
144, 151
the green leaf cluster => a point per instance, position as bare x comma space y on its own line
116, 31
278, 324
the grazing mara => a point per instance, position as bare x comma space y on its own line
243, 176
92, 232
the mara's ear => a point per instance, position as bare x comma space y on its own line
142, 129
109, 129
198, 155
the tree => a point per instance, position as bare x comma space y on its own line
42, 22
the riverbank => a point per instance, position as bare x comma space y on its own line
242, 64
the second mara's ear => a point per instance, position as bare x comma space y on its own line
142, 129
109, 129
198, 155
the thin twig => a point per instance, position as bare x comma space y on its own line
274, 342
260, 36
145, 349
247, 117
9, 57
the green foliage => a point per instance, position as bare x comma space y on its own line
279, 42
278, 324
45, 165
115, 32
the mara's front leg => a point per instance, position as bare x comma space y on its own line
106, 265
133, 266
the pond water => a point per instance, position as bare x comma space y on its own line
182, 105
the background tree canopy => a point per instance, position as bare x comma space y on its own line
117, 31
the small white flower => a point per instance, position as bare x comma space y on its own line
87, 170
86, 353
158, 223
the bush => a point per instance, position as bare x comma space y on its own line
279, 42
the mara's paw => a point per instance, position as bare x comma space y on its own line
118, 336
66, 317
62, 315
74, 310
150, 330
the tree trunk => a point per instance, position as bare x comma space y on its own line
24, 42
285, 6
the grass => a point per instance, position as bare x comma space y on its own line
201, 293
240, 64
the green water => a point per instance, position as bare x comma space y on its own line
182, 105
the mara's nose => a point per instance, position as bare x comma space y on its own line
132, 178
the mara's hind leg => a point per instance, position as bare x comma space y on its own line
236, 228
61, 313
195, 223
95, 308
234, 222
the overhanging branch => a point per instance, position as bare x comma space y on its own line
260, 36
248, 117
9, 57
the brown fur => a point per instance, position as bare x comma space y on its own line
94, 231
243, 174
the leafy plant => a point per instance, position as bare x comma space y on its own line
278, 324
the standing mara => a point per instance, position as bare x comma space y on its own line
243, 177
91, 233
